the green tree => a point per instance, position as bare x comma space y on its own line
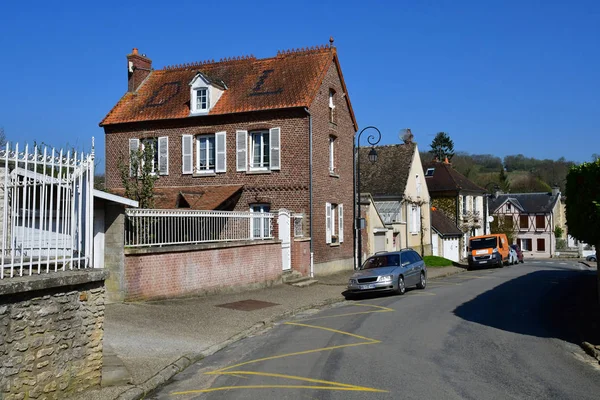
583, 204
503, 181
138, 177
442, 146
505, 224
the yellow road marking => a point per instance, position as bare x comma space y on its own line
381, 310
444, 283
351, 389
422, 294
332, 385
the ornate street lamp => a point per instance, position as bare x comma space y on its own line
358, 221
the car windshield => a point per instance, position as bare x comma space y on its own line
387, 260
483, 243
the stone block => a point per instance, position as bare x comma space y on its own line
45, 352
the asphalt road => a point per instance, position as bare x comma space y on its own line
490, 334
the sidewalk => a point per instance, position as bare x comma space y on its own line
145, 344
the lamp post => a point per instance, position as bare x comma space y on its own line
358, 221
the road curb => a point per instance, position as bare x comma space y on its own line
140, 391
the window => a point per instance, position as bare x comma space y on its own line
257, 150
508, 222
540, 222
331, 154
260, 224
150, 144
429, 171
464, 205
205, 153
331, 105
418, 180
541, 245
334, 223
158, 156
415, 219
508, 207
475, 204
523, 221
526, 245
202, 102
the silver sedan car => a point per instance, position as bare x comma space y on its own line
389, 271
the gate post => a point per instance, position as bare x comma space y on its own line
284, 231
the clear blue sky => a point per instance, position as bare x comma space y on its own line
502, 77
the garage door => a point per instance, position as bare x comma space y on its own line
451, 250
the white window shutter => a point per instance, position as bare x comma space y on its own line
163, 155
275, 138
134, 145
341, 222
418, 230
327, 223
220, 152
241, 146
186, 154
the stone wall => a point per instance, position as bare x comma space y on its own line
51, 330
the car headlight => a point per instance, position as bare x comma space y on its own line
385, 278
495, 251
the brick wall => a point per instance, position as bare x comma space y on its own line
301, 256
154, 273
327, 188
51, 331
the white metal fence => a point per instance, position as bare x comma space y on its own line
144, 227
46, 209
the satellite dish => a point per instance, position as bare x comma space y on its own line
490, 218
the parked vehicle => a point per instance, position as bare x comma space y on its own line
592, 257
520, 255
389, 272
488, 250
512, 256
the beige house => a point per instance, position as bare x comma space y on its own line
377, 235
533, 216
396, 182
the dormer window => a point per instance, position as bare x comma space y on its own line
204, 93
202, 100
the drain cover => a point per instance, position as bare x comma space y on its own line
248, 305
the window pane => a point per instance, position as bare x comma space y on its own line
266, 152
256, 150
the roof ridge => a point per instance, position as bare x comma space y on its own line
305, 50
196, 64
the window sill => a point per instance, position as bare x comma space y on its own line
199, 174
333, 174
334, 245
332, 125
258, 172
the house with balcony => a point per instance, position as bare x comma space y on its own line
534, 217
397, 185
245, 134
458, 198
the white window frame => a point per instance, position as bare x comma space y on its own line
264, 227
154, 141
332, 154
331, 105
264, 140
415, 219
464, 205
418, 181
197, 106
205, 137
334, 217
429, 171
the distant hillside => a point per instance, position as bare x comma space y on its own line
521, 174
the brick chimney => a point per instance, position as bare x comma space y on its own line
138, 68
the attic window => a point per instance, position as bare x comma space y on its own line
202, 102
331, 105
429, 171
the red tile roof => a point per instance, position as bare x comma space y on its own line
193, 198
291, 79
447, 179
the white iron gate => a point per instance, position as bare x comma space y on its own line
46, 209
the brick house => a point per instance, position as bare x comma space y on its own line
246, 134
458, 198
534, 217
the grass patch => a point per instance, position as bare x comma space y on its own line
435, 261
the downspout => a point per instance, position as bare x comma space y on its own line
310, 191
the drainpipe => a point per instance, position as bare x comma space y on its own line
310, 191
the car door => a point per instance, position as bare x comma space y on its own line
405, 268
413, 268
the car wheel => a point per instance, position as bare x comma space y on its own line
401, 289
422, 282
